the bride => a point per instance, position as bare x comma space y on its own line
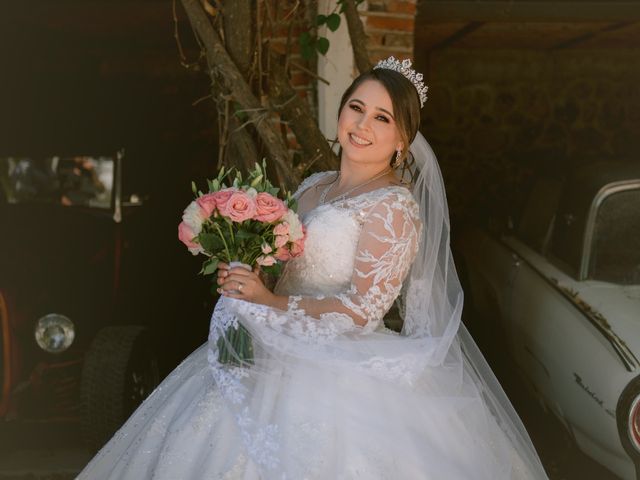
329, 392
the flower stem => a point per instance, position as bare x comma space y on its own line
231, 232
226, 247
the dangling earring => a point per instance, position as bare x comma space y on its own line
398, 161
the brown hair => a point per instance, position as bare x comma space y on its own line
404, 99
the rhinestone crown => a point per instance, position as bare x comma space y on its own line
409, 73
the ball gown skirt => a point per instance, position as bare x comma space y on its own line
323, 398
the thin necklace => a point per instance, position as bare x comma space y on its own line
324, 193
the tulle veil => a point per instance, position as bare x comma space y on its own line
431, 375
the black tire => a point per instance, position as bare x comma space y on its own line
628, 395
120, 370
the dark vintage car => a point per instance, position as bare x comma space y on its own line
95, 304
564, 285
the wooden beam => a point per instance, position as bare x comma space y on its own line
588, 36
438, 11
463, 32
92, 15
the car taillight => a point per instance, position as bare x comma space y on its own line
634, 423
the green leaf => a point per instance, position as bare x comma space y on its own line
211, 242
333, 22
245, 234
320, 20
305, 39
240, 113
322, 45
307, 52
210, 266
275, 269
194, 189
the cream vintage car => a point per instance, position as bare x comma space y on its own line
564, 285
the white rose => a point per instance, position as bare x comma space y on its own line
193, 217
295, 227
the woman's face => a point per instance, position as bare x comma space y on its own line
367, 129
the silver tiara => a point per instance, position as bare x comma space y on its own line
410, 74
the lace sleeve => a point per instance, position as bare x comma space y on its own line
386, 248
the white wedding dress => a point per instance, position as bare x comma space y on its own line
324, 398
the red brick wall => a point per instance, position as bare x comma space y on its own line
389, 27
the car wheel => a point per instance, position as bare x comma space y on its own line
628, 398
120, 370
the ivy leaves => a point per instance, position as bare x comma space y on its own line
332, 21
310, 44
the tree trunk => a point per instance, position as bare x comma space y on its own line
238, 38
297, 112
222, 68
239, 33
357, 35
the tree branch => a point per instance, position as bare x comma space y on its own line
220, 63
296, 110
358, 37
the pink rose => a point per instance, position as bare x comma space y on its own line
186, 236
207, 203
265, 260
282, 254
239, 207
281, 240
266, 248
269, 208
222, 196
297, 248
281, 229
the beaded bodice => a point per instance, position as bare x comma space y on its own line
357, 253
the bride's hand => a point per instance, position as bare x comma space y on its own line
242, 284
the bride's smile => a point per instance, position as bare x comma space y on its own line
367, 130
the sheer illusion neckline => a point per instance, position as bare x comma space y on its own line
335, 201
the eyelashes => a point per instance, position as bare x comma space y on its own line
357, 108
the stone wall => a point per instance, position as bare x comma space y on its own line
496, 117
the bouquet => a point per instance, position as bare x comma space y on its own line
241, 222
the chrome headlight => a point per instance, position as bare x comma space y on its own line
54, 333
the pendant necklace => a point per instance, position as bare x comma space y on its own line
323, 195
